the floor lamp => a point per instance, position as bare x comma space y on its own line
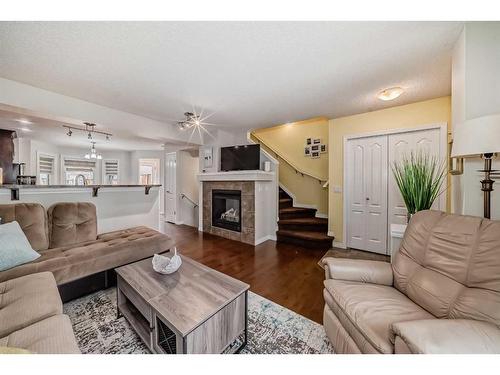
480, 137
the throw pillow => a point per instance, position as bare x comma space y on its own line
15, 248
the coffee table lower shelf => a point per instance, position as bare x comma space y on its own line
223, 332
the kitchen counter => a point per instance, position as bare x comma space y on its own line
14, 188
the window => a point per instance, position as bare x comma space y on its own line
149, 171
110, 172
45, 169
78, 171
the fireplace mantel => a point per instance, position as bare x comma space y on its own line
237, 176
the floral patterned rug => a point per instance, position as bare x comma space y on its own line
272, 329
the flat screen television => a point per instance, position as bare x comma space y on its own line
240, 158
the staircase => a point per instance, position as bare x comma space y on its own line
300, 226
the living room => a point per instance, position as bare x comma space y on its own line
179, 186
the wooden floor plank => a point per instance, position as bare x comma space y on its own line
284, 273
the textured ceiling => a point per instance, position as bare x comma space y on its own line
248, 74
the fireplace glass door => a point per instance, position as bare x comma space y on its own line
226, 209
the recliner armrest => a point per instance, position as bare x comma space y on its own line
449, 336
365, 271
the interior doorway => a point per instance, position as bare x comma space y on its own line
149, 171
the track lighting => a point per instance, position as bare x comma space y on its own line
89, 128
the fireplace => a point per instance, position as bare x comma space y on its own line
226, 209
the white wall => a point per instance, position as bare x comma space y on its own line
475, 88
187, 183
117, 208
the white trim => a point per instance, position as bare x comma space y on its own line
338, 244
442, 126
200, 229
271, 237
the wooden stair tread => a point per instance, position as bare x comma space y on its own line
296, 209
305, 235
305, 221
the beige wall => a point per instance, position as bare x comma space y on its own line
288, 141
402, 117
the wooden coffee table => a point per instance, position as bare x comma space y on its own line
194, 310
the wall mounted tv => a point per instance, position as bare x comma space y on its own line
240, 158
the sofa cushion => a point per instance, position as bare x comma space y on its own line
32, 219
450, 265
27, 300
372, 309
53, 335
71, 223
109, 251
15, 248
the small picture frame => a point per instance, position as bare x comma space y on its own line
314, 148
323, 149
308, 141
314, 154
307, 151
316, 141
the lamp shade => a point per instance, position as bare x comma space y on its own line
478, 136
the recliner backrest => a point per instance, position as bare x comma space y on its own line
450, 265
32, 219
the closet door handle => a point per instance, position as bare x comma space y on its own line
367, 198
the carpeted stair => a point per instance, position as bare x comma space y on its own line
300, 226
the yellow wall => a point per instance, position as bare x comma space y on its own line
406, 116
288, 141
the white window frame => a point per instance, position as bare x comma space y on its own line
54, 173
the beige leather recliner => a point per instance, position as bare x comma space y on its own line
441, 294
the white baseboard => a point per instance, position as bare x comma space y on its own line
200, 229
338, 244
271, 237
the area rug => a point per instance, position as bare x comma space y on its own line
272, 329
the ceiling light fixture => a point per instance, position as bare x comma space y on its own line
390, 93
93, 153
90, 129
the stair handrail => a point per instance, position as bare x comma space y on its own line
184, 196
321, 180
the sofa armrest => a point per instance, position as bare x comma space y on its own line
449, 336
365, 271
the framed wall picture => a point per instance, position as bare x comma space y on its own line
314, 148
307, 151
316, 141
314, 154
323, 149
308, 141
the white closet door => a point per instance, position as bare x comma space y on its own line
367, 187
376, 194
356, 229
400, 145
170, 187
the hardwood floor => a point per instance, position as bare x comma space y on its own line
284, 273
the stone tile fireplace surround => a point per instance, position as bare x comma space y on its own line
247, 188
259, 204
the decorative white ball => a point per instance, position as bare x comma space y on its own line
166, 265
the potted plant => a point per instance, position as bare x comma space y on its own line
420, 179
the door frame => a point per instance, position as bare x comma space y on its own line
443, 135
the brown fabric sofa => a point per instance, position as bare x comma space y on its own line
66, 237
31, 316
441, 294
